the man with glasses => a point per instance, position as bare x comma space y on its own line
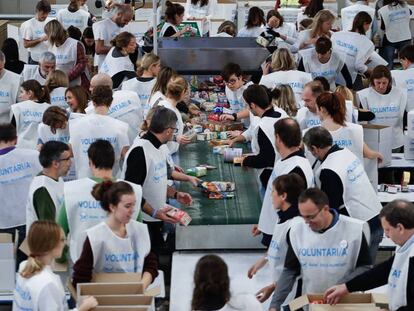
323, 248
46, 189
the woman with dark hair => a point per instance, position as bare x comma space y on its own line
174, 16
387, 102
212, 288
255, 23
356, 47
313, 8
201, 9
286, 32
117, 63
395, 22
11, 52
73, 15
159, 90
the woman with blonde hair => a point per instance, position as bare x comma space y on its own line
321, 27
70, 53
37, 286
284, 71
159, 89
286, 100
148, 68
57, 82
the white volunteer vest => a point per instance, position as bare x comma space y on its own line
236, 99
348, 14
398, 278
355, 49
84, 212
31, 72
28, 116
173, 145
165, 27
330, 70
307, 119
252, 32
78, 19
113, 65
404, 79
57, 97
294, 78
388, 109
55, 190
29, 291
104, 30
84, 131
332, 254
17, 169
351, 137
9, 88
155, 185
360, 199
142, 89
253, 122
32, 30
268, 216
199, 12
397, 22
112, 254
155, 99
66, 57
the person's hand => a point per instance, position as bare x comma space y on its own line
335, 293
183, 140
266, 68
162, 214
226, 117
185, 29
234, 134
255, 230
264, 294
379, 156
253, 270
193, 180
43, 38
179, 169
311, 41
230, 142
184, 198
88, 303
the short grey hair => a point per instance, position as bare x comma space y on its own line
162, 119
47, 57
2, 57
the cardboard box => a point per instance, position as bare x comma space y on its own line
408, 148
379, 138
410, 124
7, 263
351, 302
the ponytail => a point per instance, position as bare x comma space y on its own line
145, 63
334, 104
40, 93
33, 266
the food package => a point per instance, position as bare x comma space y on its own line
220, 149
197, 171
231, 153
182, 217
213, 117
218, 142
220, 196
218, 186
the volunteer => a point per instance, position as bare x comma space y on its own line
201, 9
177, 89
174, 16
81, 211
286, 32
286, 100
73, 15
146, 165
307, 116
54, 126
76, 99
323, 249
288, 138
125, 106
57, 82
15, 183
37, 286
147, 72
404, 78
212, 288
11, 52
255, 23
119, 244
47, 64
285, 193
342, 177
322, 61
313, 8
46, 190
9, 90
284, 71
235, 86
33, 34
355, 47
28, 113
387, 102
117, 63
160, 87
86, 130
107, 29
349, 13
227, 29
321, 27
395, 22
70, 54
331, 110
397, 219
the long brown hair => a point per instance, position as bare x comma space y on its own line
55, 117
40, 93
81, 96
43, 237
334, 104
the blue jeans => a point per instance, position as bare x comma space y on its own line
377, 234
389, 48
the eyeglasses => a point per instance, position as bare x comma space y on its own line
311, 217
175, 129
64, 159
230, 82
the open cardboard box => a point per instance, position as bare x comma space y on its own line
351, 302
7, 262
379, 138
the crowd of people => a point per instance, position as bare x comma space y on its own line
91, 128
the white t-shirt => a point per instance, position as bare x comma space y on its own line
404, 79
142, 89
78, 19
348, 14
200, 12
252, 32
304, 36
32, 30
242, 302
104, 30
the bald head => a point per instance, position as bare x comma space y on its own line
100, 79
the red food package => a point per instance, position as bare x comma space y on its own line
182, 217
213, 117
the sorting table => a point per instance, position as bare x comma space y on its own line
219, 224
